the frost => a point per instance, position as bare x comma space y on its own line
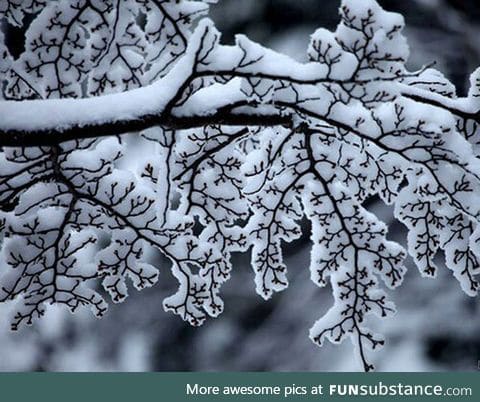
239, 144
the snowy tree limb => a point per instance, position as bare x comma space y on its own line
239, 144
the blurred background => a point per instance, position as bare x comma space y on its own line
437, 326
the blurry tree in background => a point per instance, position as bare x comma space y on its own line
134, 337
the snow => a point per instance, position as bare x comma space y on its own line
73, 216
63, 114
463, 105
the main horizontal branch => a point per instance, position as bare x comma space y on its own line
50, 137
167, 103
54, 136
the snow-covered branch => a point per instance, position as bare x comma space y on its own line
238, 145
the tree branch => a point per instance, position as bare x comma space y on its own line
49, 137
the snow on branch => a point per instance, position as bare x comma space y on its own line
238, 145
